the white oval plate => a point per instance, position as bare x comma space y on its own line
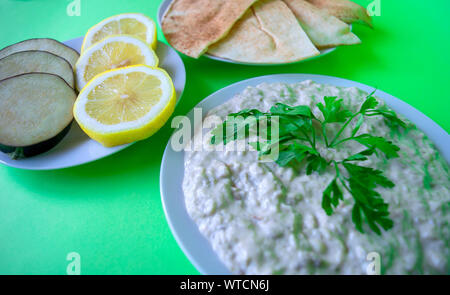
163, 9
77, 148
192, 242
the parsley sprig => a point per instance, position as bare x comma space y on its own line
299, 133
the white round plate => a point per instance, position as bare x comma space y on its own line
165, 5
77, 148
192, 242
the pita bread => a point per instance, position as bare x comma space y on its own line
192, 25
268, 33
323, 29
345, 10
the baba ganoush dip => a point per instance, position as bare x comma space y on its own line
261, 218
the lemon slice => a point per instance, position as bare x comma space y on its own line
111, 53
125, 105
134, 24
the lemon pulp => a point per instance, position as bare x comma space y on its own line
125, 105
123, 98
111, 53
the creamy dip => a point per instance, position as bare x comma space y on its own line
261, 218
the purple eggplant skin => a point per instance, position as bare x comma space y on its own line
60, 57
75, 53
17, 153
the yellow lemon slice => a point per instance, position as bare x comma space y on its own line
111, 53
125, 105
134, 24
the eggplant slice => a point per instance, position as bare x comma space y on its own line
43, 44
35, 113
36, 62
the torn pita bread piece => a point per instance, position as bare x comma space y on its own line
324, 30
268, 33
190, 26
345, 10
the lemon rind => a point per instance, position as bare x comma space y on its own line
84, 58
141, 128
151, 40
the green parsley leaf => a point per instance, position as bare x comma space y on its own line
333, 111
331, 197
369, 103
390, 117
361, 156
295, 151
297, 144
283, 109
362, 183
379, 143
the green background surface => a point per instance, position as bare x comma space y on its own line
110, 211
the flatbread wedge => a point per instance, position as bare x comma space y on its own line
191, 26
323, 29
345, 10
268, 33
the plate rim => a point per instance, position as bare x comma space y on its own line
323, 52
114, 150
434, 132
